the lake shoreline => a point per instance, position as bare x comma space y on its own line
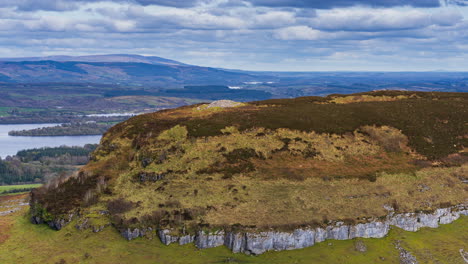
10, 145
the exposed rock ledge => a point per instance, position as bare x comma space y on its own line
258, 243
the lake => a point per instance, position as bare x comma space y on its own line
11, 145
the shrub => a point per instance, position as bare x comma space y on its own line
177, 133
391, 139
119, 206
155, 218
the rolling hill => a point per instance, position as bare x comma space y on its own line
275, 174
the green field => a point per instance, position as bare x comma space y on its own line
6, 111
9, 189
29, 243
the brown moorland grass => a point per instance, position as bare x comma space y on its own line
265, 203
5, 221
288, 162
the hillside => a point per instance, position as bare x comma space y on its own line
102, 58
278, 165
130, 72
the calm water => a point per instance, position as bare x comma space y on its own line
11, 145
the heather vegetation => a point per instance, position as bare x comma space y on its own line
275, 164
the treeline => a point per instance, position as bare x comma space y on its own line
54, 117
72, 129
39, 154
40, 165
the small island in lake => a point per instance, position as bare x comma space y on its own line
71, 129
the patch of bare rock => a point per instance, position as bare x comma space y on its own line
224, 104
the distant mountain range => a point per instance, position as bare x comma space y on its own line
150, 72
102, 58
115, 69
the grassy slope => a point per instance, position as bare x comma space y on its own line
259, 165
13, 188
38, 244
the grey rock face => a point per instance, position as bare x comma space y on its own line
235, 241
167, 238
223, 104
369, 230
338, 232
56, 224
258, 243
414, 221
131, 234
447, 216
209, 240
186, 239
36, 220
135, 233
320, 235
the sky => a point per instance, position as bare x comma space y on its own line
264, 35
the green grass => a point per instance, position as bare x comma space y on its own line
13, 189
5, 111
38, 244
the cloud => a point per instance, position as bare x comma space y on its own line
32, 5
320, 4
246, 34
298, 33
374, 20
66, 5
173, 3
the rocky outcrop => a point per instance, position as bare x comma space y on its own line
131, 234
405, 256
56, 224
85, 223
369, 230
414, 221
259, 242
224, 104
150, 176
167, 238
209, 240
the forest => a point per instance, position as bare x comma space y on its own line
70, 129
40, 165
